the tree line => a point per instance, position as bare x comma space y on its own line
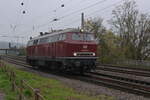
129, 36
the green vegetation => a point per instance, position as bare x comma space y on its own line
51, 89
5, 86
128, 38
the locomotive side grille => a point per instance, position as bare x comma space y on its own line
85, 54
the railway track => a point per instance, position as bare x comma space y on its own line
126, 68
111, 68
118, 82
121, 83
16, 60
19, 58
137, 72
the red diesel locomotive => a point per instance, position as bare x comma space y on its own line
70, 50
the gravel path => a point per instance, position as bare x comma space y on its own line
88, 88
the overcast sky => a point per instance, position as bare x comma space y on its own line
40, 13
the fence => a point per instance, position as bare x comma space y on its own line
20, 85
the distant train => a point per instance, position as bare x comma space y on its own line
69, 50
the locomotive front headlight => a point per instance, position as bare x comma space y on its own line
75, 54
93, 54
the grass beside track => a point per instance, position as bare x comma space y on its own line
5, 87
51, 89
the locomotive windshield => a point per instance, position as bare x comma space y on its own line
82, 36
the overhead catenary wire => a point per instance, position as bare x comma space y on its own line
19, 17
70, 21
20, 13
12, 36
100, 10
52, 11
109, 6
49, 12
77, 11
69, 14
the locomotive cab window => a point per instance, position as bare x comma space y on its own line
43, 40
35, 42
89, 37
54, 38
62, 36
82, 36
77, 36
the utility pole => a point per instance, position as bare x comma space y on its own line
82, 21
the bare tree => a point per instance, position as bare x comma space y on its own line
95, 26
133, 29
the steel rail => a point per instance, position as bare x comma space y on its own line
126, 71
124, 67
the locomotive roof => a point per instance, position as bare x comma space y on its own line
57, 32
